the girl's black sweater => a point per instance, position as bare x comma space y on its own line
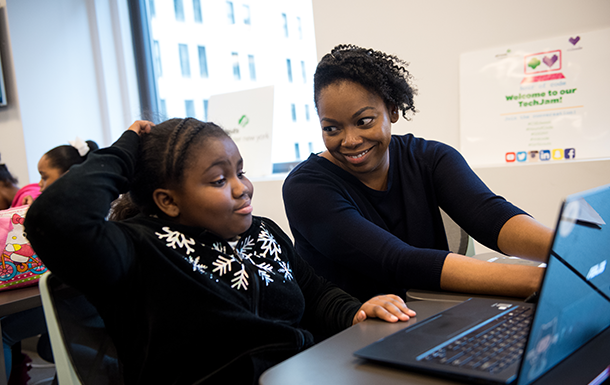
180, 303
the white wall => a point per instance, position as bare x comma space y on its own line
68, 71
431, 35
268, 201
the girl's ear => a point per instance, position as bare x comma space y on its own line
165, 201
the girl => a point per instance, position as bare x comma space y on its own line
194, 288
57, 161
13, 196
18, 326
52, 165
375, 226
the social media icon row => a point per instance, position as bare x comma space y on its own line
542, 155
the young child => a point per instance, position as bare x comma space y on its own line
195, 288
11, 195
27, 323
52, 165
58, 160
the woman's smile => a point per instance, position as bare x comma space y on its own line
357, 158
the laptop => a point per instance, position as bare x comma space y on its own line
502, 342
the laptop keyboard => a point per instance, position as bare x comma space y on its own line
492, 347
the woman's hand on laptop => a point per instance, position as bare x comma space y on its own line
390, 308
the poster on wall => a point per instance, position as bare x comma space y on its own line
247, 116
543, 101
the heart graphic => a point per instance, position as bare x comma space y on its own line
574, 40
549, 61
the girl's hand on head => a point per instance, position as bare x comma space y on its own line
141, 126
390, 308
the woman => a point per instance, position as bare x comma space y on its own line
375, 225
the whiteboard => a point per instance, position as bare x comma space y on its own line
543, 101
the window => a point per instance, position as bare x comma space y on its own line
285, 20
303, 71
163, 108
247, 14
169, 78
297, 152
252, 67
289, 69
189, 106
230, 13
179, 10
300, 29
236, 72
203, 62
310, 145
151, 8
157, 58
185, 66
197, 11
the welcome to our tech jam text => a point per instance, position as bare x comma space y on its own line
539, 125
540, 98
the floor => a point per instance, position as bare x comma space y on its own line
42, 372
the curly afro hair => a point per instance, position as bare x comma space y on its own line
383, 74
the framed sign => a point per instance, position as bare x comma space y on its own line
543, 101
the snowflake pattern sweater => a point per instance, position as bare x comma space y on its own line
180, 303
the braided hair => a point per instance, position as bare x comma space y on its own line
164, 156
380, 73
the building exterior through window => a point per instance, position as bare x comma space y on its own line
203, 48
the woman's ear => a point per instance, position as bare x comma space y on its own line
164, 199
394, 114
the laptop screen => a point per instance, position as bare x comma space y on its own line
574, 304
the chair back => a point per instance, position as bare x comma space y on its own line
457, 239
82, 349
